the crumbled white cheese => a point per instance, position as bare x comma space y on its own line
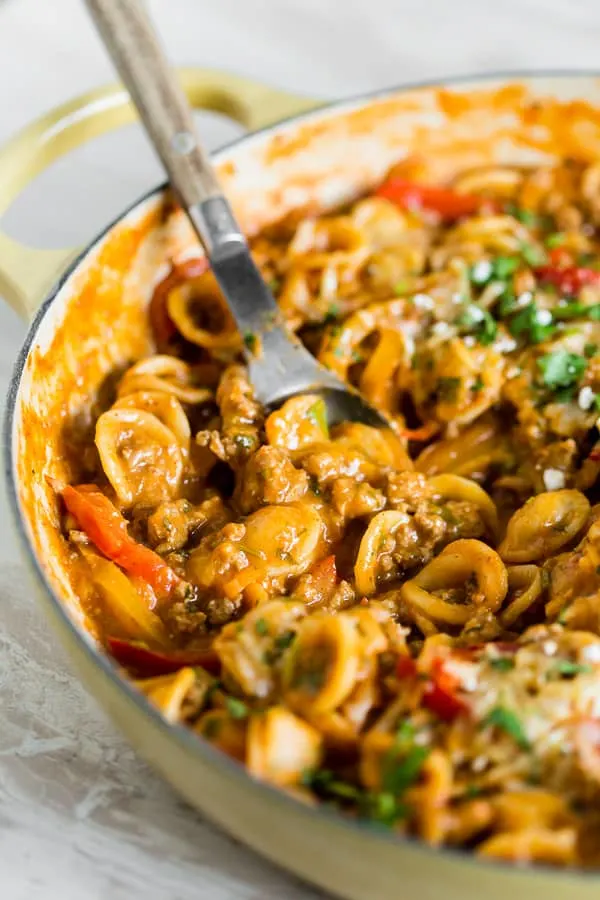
481, 271
423, 301
549, 648
524, 299
474, 313
479, 763
586, 397
543, 317
469, 341
505, 344
457, 298
591, 653
554, 479
441, 329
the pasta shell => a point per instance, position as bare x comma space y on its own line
543, 525
457, 564
141, 457
281, 747
322, 667
164, 373
369, 552
168, 692
164, 406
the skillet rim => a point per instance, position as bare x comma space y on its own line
101, 660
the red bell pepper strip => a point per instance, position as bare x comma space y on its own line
163, 327
145, 662
406, 667
440, 694
569, 279
448, 203
107, 529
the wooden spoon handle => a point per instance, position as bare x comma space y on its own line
139, 58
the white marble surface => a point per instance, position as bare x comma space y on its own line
81, 818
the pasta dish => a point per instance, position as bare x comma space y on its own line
404, 624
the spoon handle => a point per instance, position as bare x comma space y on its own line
138, 56
279, 365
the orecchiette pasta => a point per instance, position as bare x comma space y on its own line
403, 622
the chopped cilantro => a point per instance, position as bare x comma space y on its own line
313, 484
480, 322
402, 287
507, 302
574, 310
505, 266
506, 720
472, 791
250, 341
261, 627
404, 761
383, 808
477, 384
447, 389
332, 314
237, 709
532, 324
567, 668
561, 369
283, 641
318, 414
532, 255
526, 216
502, 663
556, 239
590, 350
562, 616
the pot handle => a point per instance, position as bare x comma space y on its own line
26, 273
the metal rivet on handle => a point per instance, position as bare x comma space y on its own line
183, 142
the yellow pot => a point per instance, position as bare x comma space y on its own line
94, 319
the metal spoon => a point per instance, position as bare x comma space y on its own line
281, 367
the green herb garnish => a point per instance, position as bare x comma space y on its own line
283, 641
532, 255
250, 341
567, 668
506, 720
554, 240
526, 216
505, 266
590, 350
447, 389
561, 369
318, 414
477, 384
261, 627
502, 663
383, 808
237, 709
480, 322
532, 323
